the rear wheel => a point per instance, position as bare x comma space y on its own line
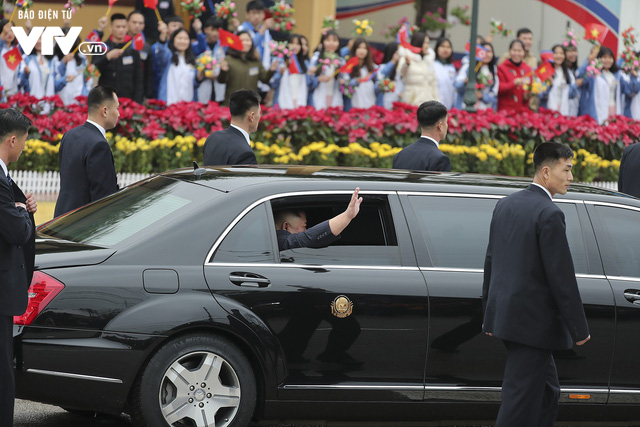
195, 381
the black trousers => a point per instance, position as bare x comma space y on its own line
530, 388
7, 385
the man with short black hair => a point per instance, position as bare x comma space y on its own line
17, 236
232, 146
208, 39
425, 154
525, 35
629, 175
121, 69
258, 28
530, 295
87, 172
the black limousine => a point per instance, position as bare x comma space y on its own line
170, 301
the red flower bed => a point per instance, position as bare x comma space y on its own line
298, 127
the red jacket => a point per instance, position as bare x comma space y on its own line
510, 96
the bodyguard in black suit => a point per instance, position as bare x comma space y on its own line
16, 251
629, 177
232, 145
87, 172
425, 154
530, 294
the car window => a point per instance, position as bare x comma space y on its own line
622, 234
109, 221
456, 230
575, 237
249, 241
369, 239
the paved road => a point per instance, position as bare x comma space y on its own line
30, 414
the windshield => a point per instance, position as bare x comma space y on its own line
111, 220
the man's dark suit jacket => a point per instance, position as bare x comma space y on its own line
629, 178
125, 74
17, 234
228, 147
86, 168
530, 294
422, 155
318, 236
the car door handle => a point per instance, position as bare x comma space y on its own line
632, 295
250, 280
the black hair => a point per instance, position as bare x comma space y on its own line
13, 122
368, 60
213, 22
606, 51
251, 55
173, 19
440, 41
571, 66
57, 51
523, 30
430, 113
99, 96
550, 151
242, 101
326, 36
117, 16
255, 5
389, 50
134, 12
301, 56
516, 41
491, 64
565, 68
189, 56
417, 40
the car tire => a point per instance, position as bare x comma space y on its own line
179, 385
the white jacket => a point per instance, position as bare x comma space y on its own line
419, 76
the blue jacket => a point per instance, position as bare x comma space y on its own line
163, 61
588, 94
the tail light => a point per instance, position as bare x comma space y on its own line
42, 291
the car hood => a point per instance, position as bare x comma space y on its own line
53, 253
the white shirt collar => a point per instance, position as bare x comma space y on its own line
100, 128
244, 133
431, 139
545, 190
4, 168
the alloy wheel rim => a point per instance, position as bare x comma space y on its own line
199, 389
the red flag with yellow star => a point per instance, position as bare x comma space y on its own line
13, 58
594, 31
545, 71
229, 39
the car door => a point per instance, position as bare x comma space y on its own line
451, 253
351, 317
617, 228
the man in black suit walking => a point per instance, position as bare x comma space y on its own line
629, 177
232, 145
530, 294
87, 172
16, 251
425, 154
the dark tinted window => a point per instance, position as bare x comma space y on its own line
111, 220
622, 234
249, 240
368, 240
455, 229
575, 237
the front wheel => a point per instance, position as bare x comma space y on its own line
195, 380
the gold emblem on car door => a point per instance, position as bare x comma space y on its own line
341, 306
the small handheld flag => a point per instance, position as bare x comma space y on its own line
545, 72
546, 56
294, 65
229, 39
93, 37
403, 39
369, 76
13, 58
596, 32
138, 41
349, 65
481, 51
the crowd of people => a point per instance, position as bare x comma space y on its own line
165, 68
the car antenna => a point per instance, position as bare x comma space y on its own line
197, 170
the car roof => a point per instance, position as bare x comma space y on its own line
288, 178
